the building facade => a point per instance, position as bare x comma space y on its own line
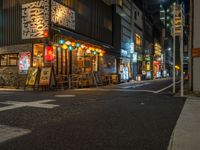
196, 46
73, 36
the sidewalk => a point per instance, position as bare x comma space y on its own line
186, 134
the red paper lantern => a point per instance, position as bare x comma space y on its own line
49, 54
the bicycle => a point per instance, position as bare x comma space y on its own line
2, 81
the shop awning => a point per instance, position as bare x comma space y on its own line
109, 48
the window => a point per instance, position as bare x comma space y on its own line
108, 24
9, 59
135, 15
138, 40
120, 3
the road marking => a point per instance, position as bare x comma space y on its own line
61, 96
134, 86
7, 132
38, 104
165, 88
121, 90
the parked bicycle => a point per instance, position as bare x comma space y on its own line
10, 79
2, 81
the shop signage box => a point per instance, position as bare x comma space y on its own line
196, 52
35, 18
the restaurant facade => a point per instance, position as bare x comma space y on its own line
73, 36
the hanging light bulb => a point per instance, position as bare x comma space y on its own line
70, 48
61, 41
88, 51
82, 46
64, 46
73, 44
78, 44
68, 43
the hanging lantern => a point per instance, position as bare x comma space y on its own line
82, 46
88, 51
73, 44
78, 44
68, 43
64, 46
61, 41
49, 54
101, 54
70, 48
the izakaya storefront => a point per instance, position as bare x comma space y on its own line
157, 61
70, 56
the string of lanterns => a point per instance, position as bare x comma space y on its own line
72, 45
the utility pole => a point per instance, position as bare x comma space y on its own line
174, 49
181, 49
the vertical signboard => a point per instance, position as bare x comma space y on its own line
178, 20
35, 19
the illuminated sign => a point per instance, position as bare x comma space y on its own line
35, 19
62, 15
24, 62
134, 57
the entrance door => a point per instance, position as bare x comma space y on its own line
60, 64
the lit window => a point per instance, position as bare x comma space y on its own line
9, 59
138, 40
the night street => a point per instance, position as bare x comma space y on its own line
129, 116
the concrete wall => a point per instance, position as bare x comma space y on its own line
196, 44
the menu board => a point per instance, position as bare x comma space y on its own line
45, 76
97, 78
31, 76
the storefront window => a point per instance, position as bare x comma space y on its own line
9, 59
38, 55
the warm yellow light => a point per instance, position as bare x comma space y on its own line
177, 67
101, 54
73, 44
82, 46
68, 43
64, 46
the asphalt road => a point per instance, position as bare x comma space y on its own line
123, 117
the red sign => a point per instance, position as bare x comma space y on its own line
196, 52
49, 54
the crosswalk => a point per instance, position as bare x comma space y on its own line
7, 132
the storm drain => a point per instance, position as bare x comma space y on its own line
7, 132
